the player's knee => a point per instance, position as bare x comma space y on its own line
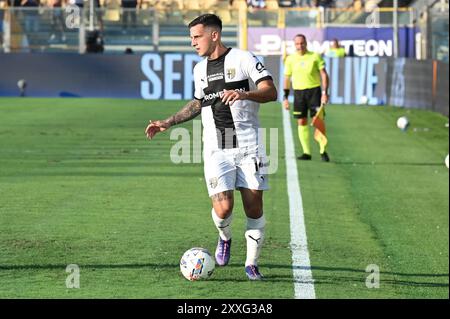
303, 121
253, 211
223, 204
223, 211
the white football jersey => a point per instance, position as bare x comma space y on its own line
226, 126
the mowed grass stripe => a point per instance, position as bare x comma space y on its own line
81, 185
382, 200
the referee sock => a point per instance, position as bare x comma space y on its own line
303, 135
322, 147
222, 225
255, 238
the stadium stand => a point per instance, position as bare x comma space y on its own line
159, 25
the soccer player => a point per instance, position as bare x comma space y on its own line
307, 70
229, 85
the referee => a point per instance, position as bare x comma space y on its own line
307, 70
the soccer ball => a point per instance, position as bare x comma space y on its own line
197, 264
402, 123
363, 100
446, 161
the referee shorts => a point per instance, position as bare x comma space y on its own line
304, 100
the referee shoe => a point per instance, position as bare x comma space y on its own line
304, 157
325, 157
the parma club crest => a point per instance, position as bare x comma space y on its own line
213, 182
231, 73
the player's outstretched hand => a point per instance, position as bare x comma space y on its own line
155, 127
286, 104
230, 96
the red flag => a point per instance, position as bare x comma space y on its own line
319, 124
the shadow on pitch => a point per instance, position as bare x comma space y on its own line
375, 163
89, 266
167, 174
341, 274
338, 274
351, 275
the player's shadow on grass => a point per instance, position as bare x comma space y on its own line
113, 174
375, 163
88, 266
360, 275
338, 274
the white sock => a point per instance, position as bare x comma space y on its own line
223, 225
255, 238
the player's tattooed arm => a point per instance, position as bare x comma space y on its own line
188, 112
191, 110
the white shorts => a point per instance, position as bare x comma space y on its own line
235, 168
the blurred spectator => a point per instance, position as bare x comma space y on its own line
3, 5
287, 3
57, 19
259, 4
324, 3
335, 51
31, 15
86, 3
129, 15
94, 42
304, 3
358, 4
78, 3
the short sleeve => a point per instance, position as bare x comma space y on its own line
255, 69
320, 62
288, 67
198, 87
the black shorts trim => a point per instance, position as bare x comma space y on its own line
307, 100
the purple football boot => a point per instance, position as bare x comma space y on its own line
223, 252
253, 273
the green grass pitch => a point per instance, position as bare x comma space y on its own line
80, 184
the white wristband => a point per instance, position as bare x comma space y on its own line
324, 92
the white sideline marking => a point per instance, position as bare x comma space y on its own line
301, 266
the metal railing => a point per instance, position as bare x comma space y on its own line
61, 30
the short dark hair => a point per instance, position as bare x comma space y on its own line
208, 20
300, 36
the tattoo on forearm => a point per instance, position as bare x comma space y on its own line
222, 196
191, 110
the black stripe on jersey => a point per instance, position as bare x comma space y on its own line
213, 93
223, 119
238, 85
263, 79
